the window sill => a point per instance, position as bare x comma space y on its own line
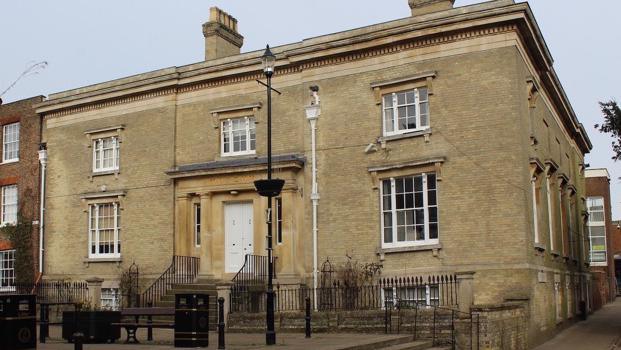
416, 248
104, 172
241, 154
9, 161
102, 260
425, 132
599, 264
540, 247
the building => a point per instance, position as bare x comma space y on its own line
19, 181
600, 232
420, 168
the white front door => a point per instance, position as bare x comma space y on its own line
238, 235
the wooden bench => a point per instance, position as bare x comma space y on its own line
137, 312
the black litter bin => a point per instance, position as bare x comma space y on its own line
17, 322
191, 320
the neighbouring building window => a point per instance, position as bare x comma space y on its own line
106, 154
410, 297
104, 230
597, 230
9, 205
238, 136
110, 299
10, 142
279, 220
409, 211
405, 111
7, 270
197, 225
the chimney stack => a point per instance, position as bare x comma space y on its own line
423, 7
221, 36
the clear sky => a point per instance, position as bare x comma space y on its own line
87, 42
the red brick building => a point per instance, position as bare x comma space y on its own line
19, 180
600, 230
616, 251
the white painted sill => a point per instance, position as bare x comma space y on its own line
416, 248
11, 161
406, 135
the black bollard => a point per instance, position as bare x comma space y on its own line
220, 323
150, 322
42, 322
308, 318
78, 339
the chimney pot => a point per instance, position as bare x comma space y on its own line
423, 7
221, 36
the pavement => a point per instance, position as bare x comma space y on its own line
601, 331
163, 339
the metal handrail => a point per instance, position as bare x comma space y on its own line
183, 269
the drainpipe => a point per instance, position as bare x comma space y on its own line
313, 111
43, 161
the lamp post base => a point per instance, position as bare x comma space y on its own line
270, 334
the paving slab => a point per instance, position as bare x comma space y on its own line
601, 331
284, 341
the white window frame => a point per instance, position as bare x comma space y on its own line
417, 290
395, 111
226, 126
110, 299
393, 211
99, 149
7, 270
7, 131
95, 231
10, 217
197, 225
279, 238
600, 224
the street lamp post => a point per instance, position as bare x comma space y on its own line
269, 188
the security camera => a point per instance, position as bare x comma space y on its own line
371, 147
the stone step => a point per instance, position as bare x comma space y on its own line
203, 287
414, 345
382, 344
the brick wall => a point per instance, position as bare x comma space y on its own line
25, 172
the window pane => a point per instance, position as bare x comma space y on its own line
401, 218
418, 183
410, 97
409, 200
399, 185
418, 200
401, 234
433, 214
422, 94
409, 217
401, 98
389, 120
420, 216
386, 187
400, 201
386, 202
433, 231
388, 235
431, 197
387, 101
420, 232
411, 233
387, 219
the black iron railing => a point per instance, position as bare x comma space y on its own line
402, 292
182, 270
51, 291
250, 282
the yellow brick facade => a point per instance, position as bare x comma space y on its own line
496, 122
